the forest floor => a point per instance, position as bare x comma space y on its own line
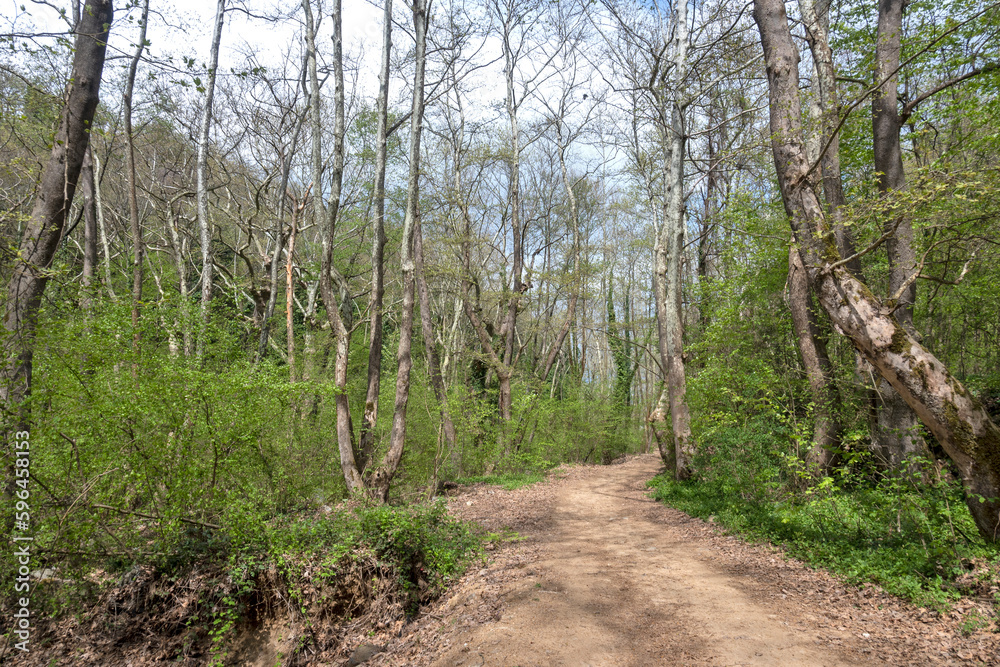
603, 575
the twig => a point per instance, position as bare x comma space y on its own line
193, 522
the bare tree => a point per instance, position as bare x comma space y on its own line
656, 62
204, 226
568, 102
370, 415
338, 306
133, 203
285, 150
512, 18
381, 478
669, 247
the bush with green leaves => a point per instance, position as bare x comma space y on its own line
136, 450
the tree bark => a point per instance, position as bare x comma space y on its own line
953, 415
896, 429
313, 356
48, 215
620, 347
180, 265
204, 226
370, 415
381, 479
657, 424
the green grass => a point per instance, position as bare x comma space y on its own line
508, 480
913, 540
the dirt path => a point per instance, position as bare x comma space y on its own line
614, 585
608, 577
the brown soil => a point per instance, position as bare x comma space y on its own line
606, 576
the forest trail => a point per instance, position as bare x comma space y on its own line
615, 579
616, 584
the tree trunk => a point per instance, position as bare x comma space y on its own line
177, 249
279, 237
582, 335
509, 326
382, 477
896, 429
90, 256
713, 193
827, 429
101, 228
290, 296
430, 348
204, 227
673, 328
313, 356
956, 419
574, 221
620, 348
812, 347
135, 227
659, 430
669, 254
327, 222
370, 416
43, 231
48, 215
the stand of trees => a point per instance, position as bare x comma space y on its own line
561, 217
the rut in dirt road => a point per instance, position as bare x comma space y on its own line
616, 583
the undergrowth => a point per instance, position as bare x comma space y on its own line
914, 538
419, 542
358, 560
508, 480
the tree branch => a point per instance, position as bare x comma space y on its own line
911, 106
193, 522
